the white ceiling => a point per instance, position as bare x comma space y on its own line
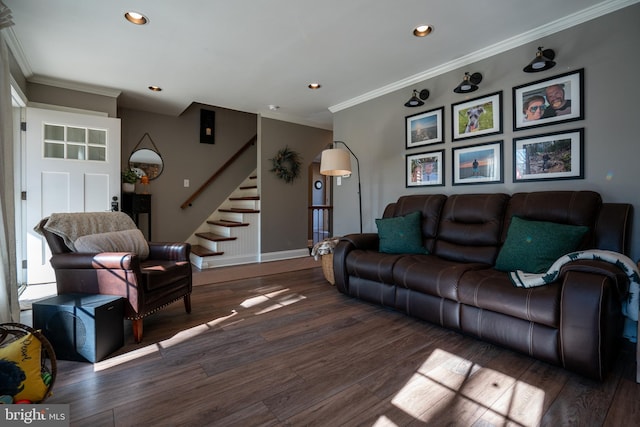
247, 55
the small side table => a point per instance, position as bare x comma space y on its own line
134, 204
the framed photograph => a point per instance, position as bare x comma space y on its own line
478, 164
424, 128
549, 101
477, 117
549, 157
425, 169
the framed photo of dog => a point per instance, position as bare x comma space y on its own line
425, 169
478, 164
549, 101
551, 156
477, 117
424, 128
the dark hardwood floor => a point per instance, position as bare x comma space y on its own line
289, 349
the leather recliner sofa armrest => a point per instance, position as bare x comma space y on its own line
169, 251
617, 276
104, 260
589, 339
348, 243
366, 241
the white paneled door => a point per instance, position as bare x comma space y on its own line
72, 165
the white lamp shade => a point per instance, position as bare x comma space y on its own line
335, 162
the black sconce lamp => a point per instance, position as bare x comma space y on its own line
469, 83
542, 61
417, 98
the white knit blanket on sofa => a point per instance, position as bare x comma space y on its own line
631, 304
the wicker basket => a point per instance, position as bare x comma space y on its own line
10, 332
327, 268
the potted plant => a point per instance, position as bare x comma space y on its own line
129, 179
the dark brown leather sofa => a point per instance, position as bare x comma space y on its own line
164, 277
575, 322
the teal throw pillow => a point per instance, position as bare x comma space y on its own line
401, 234
533, 246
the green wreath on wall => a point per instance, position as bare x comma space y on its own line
286, 164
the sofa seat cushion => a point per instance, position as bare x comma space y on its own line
431, 275
492, 290
160, 273
372, 265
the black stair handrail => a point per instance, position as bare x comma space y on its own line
222, 168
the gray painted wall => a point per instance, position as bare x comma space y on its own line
72, 98
285, 206
606, 48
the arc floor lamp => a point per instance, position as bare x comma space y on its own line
337, 162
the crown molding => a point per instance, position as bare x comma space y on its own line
18, 53
65, 84
513, 42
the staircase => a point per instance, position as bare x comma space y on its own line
231, 235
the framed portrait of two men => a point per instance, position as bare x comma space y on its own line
549, 101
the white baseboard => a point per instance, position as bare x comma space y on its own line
282, 255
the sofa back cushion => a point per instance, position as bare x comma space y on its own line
430, 205
561, 207
471, 227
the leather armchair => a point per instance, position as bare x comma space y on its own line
146, 285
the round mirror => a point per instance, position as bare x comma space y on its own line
147, 161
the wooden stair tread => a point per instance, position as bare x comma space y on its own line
249, 187
215, 237
238, 210
227, 223
201, 251
245, 198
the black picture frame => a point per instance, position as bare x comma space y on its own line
478, 164
477, 117
570, 84
549, 157
425, 169
424, 128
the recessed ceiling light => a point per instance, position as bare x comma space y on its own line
155, 88
315, 85
274, 107
136, 18
422, 30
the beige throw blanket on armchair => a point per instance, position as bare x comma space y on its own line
70, 226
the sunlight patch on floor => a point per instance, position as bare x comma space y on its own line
138, 353
187, 334
446, 383
384, 422
252, 302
